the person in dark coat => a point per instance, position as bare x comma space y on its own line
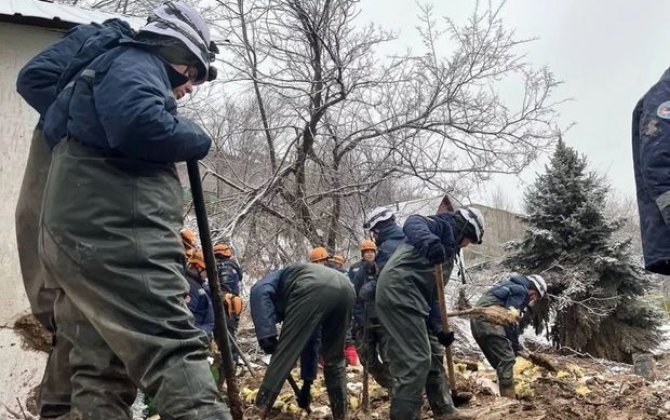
501, 344
406, 292
109, 232
39, 82
230, 279
651, 162
199, 300
370, 347
304, 298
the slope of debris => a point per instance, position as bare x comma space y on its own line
579, 389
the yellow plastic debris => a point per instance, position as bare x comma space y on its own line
286, 397
576, 370
582, 390
461, 367
293, 409
522, 365
249, 395
354, 403
523, 390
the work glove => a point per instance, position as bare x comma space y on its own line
435, 253
268, 344
445, 338
305, 397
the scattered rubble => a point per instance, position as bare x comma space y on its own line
580, 389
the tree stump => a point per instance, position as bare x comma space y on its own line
644, 365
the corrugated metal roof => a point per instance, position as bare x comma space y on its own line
57, 15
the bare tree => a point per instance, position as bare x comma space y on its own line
312, 126
324, 122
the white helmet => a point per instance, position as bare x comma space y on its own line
378, 215
538, 283
474, 218
180, 21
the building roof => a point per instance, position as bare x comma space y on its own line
46, 14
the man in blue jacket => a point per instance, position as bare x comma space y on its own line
39, 82
199, 299
230, 278
406, 294
304, 297
111, 218
501, 344
651, 162
388, 236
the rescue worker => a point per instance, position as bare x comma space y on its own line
388, 236
230, 278
319, 255
199, 298
111, 218
189, 241
501, 344
337, 262
368, 250
406, 292
304, 297
39, 82
651, 163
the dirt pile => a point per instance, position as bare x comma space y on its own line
580, 389
33, 334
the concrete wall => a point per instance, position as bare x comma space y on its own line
21, 370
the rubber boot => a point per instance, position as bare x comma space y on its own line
439, 398
507, 391
265, 399
338, 402
404, 409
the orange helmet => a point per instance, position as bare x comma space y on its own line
338, 259
188, 238
223, 250
318, 254
368, 245
196, 258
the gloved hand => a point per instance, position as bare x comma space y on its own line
445, 338
435, 253
517, 349
268, 344
305, 398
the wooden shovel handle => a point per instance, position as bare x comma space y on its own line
439, 283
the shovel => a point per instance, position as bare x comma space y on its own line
458, 397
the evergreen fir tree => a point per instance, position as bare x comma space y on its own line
597, 291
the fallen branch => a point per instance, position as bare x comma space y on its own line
494, 314
539, 360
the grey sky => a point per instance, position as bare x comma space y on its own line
607, 53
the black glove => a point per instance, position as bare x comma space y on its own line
305, 398
436, 254
517, 349
268, 344
446, 338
